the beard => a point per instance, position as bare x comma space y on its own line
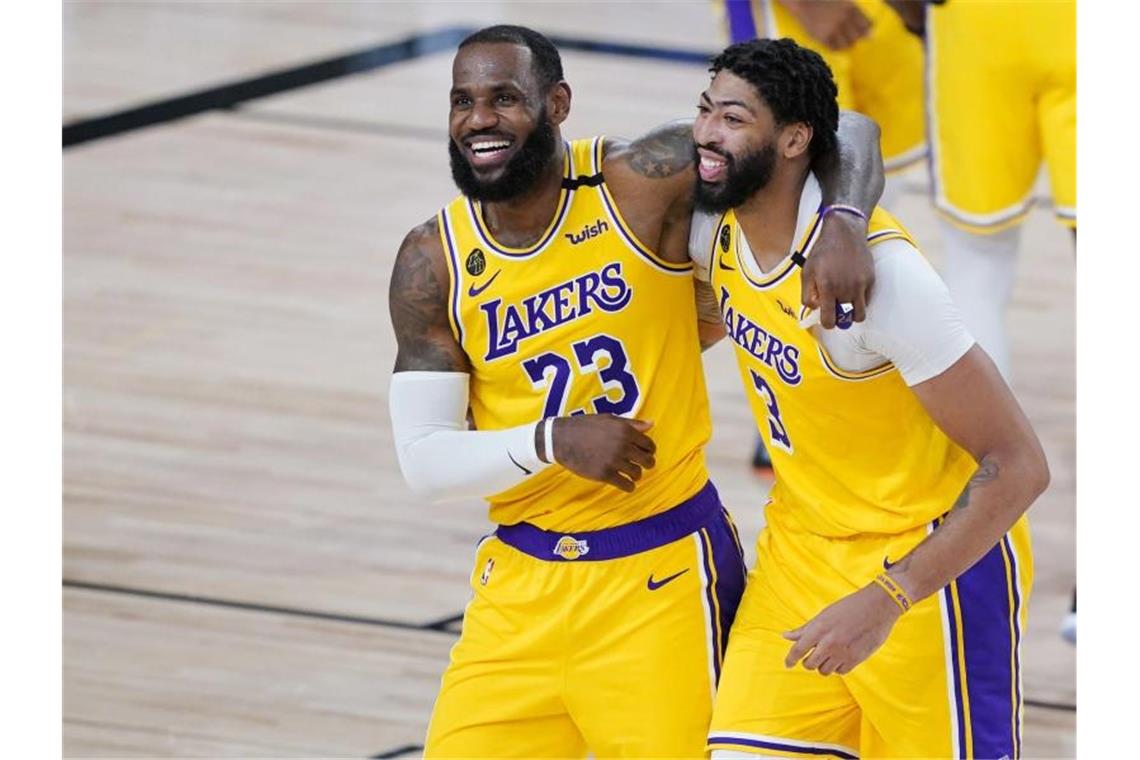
742, 178
518, 176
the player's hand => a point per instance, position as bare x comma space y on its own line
836, 23
844, 633
912, 13
604, 447
839, 269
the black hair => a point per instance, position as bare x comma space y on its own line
546, 60
795, 82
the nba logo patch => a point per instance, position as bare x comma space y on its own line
725, 238
569, 547
486, 576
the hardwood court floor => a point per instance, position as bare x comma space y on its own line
246, 574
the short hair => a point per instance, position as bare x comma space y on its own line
546, 60
795, 82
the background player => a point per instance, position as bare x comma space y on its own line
1001, 96
895, 560
555, 299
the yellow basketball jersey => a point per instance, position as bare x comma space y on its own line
587, 320
852, 452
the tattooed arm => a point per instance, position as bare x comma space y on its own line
974, 407
651, 179
417, 302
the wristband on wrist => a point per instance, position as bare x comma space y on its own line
548, 438
894, 591
843, 209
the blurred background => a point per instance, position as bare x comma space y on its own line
245, 573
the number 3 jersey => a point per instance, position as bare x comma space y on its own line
853, 451
587, 320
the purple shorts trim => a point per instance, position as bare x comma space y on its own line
622, 541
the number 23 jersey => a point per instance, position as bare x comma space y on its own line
587, 320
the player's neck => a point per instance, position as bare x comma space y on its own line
520, 222
768, 217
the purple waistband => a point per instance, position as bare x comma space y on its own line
621, 541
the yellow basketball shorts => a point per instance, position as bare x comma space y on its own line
607, 641
880, 75
1002, 95
947, 682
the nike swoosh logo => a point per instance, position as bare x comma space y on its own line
528, 472
474, 291
722, 265
654, 585
887, 564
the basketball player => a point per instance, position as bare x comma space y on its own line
876, 63
1001, 96
883, 617
554, 299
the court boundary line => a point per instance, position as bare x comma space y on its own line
439, 626
229, 95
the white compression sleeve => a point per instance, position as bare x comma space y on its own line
440, 458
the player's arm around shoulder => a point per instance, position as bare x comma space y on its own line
651, 179
840, 269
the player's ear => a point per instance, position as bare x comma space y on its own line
796, 139
558, 102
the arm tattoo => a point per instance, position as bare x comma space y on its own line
417, 300
708, 310
987, 471
665, 152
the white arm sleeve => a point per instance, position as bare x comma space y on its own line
440, 458
911, 318
701, 234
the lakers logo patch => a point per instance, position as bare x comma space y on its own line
569, 547
476, 262
725, 238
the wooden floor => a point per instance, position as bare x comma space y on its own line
245, 573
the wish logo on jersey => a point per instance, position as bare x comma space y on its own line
780, 356
553, 307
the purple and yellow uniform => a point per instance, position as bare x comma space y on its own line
863, 474
599, 618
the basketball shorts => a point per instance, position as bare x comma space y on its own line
607, 641
1002, 96
880, 75
946, 683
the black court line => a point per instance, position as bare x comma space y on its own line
398, 752
233, 94
437, 626
1051, 705
338, 124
